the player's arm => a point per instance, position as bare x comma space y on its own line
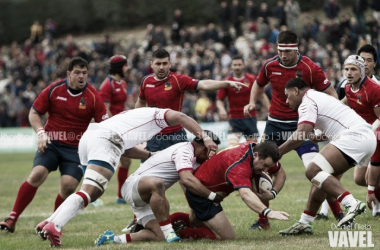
191, 183
256, 93
176, 118
140, 103
35, 121
137, 153
331, 91
344, 100
108, 108
254, 203
221, 110
376, 123
209, 85
303, 132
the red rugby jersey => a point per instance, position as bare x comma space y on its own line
166, 93
278, 75
365, 99
115, 93
230, 169
237, 99
69, 115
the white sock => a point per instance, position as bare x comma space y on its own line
72, 206
348, 201
324, 208
118, 239
167, 229
375, 208
306, 219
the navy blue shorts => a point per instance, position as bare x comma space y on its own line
161, 142
279, 132
62, 155
246, 126
203, 208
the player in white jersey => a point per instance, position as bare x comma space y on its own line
100, 149
351, 142
145, 189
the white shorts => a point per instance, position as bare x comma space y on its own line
358, 143
140, 208
102, 145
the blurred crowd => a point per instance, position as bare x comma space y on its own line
202, 52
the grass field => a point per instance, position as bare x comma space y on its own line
81, 231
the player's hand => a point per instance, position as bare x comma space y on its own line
248, 108
278, 215
371, 198
265, 194
212, 148
237, 85
223, 115
219, 197
42, 142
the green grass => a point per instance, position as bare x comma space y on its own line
81, 231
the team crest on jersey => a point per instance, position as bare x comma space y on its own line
82, 103
359, 99
168, 86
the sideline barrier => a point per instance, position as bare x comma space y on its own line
24, 140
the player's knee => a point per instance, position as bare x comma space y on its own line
158, 185
319, 178
359, 180
37, 176
93, 178
125, 162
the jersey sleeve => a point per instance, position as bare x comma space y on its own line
160, 118
183, 158
307, 112
239, 175
186, 82
275, 168
41, 104
106, 90
142, 93
262, 78
100, 109
375, 97
320, 81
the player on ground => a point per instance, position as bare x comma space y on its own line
231, 169
239, 124
363, 96
71, 104
101, 147
145, 190
351, 142
114, 94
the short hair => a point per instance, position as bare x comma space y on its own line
161, 53
296, 82
213, 136
238, 57
287, 36
267, 149
368, 48
77, 61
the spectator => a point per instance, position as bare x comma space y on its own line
224, 15
36, 31
331, 8
177, 26
279, 13
292, 10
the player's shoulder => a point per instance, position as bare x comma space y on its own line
308, 61
272, 61
147, 78
57, 83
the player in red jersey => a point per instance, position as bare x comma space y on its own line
231, 169
282, 121
71, 104
239, 124
114, 94
363, 96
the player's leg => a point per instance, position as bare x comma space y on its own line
250, 132
122, 175
359, 175
221, 227
42, 165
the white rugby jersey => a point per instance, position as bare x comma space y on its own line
327, 114
169, 162
135, 126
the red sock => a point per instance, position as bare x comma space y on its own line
341, 197
122, 175
58, 201
128, 236
197, 233
24, 197
84, 197
164, 222
335, 207
262, 218
377, 193
312, 214
185, 217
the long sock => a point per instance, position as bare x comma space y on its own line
58, 201
166, 227
262, 218
324, 208
122, 239
377, 193
122, 175
347, 199
197, 233
335, 208
307, 217
72, 206
25, 195
185, 217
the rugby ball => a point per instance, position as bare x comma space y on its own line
262, 180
